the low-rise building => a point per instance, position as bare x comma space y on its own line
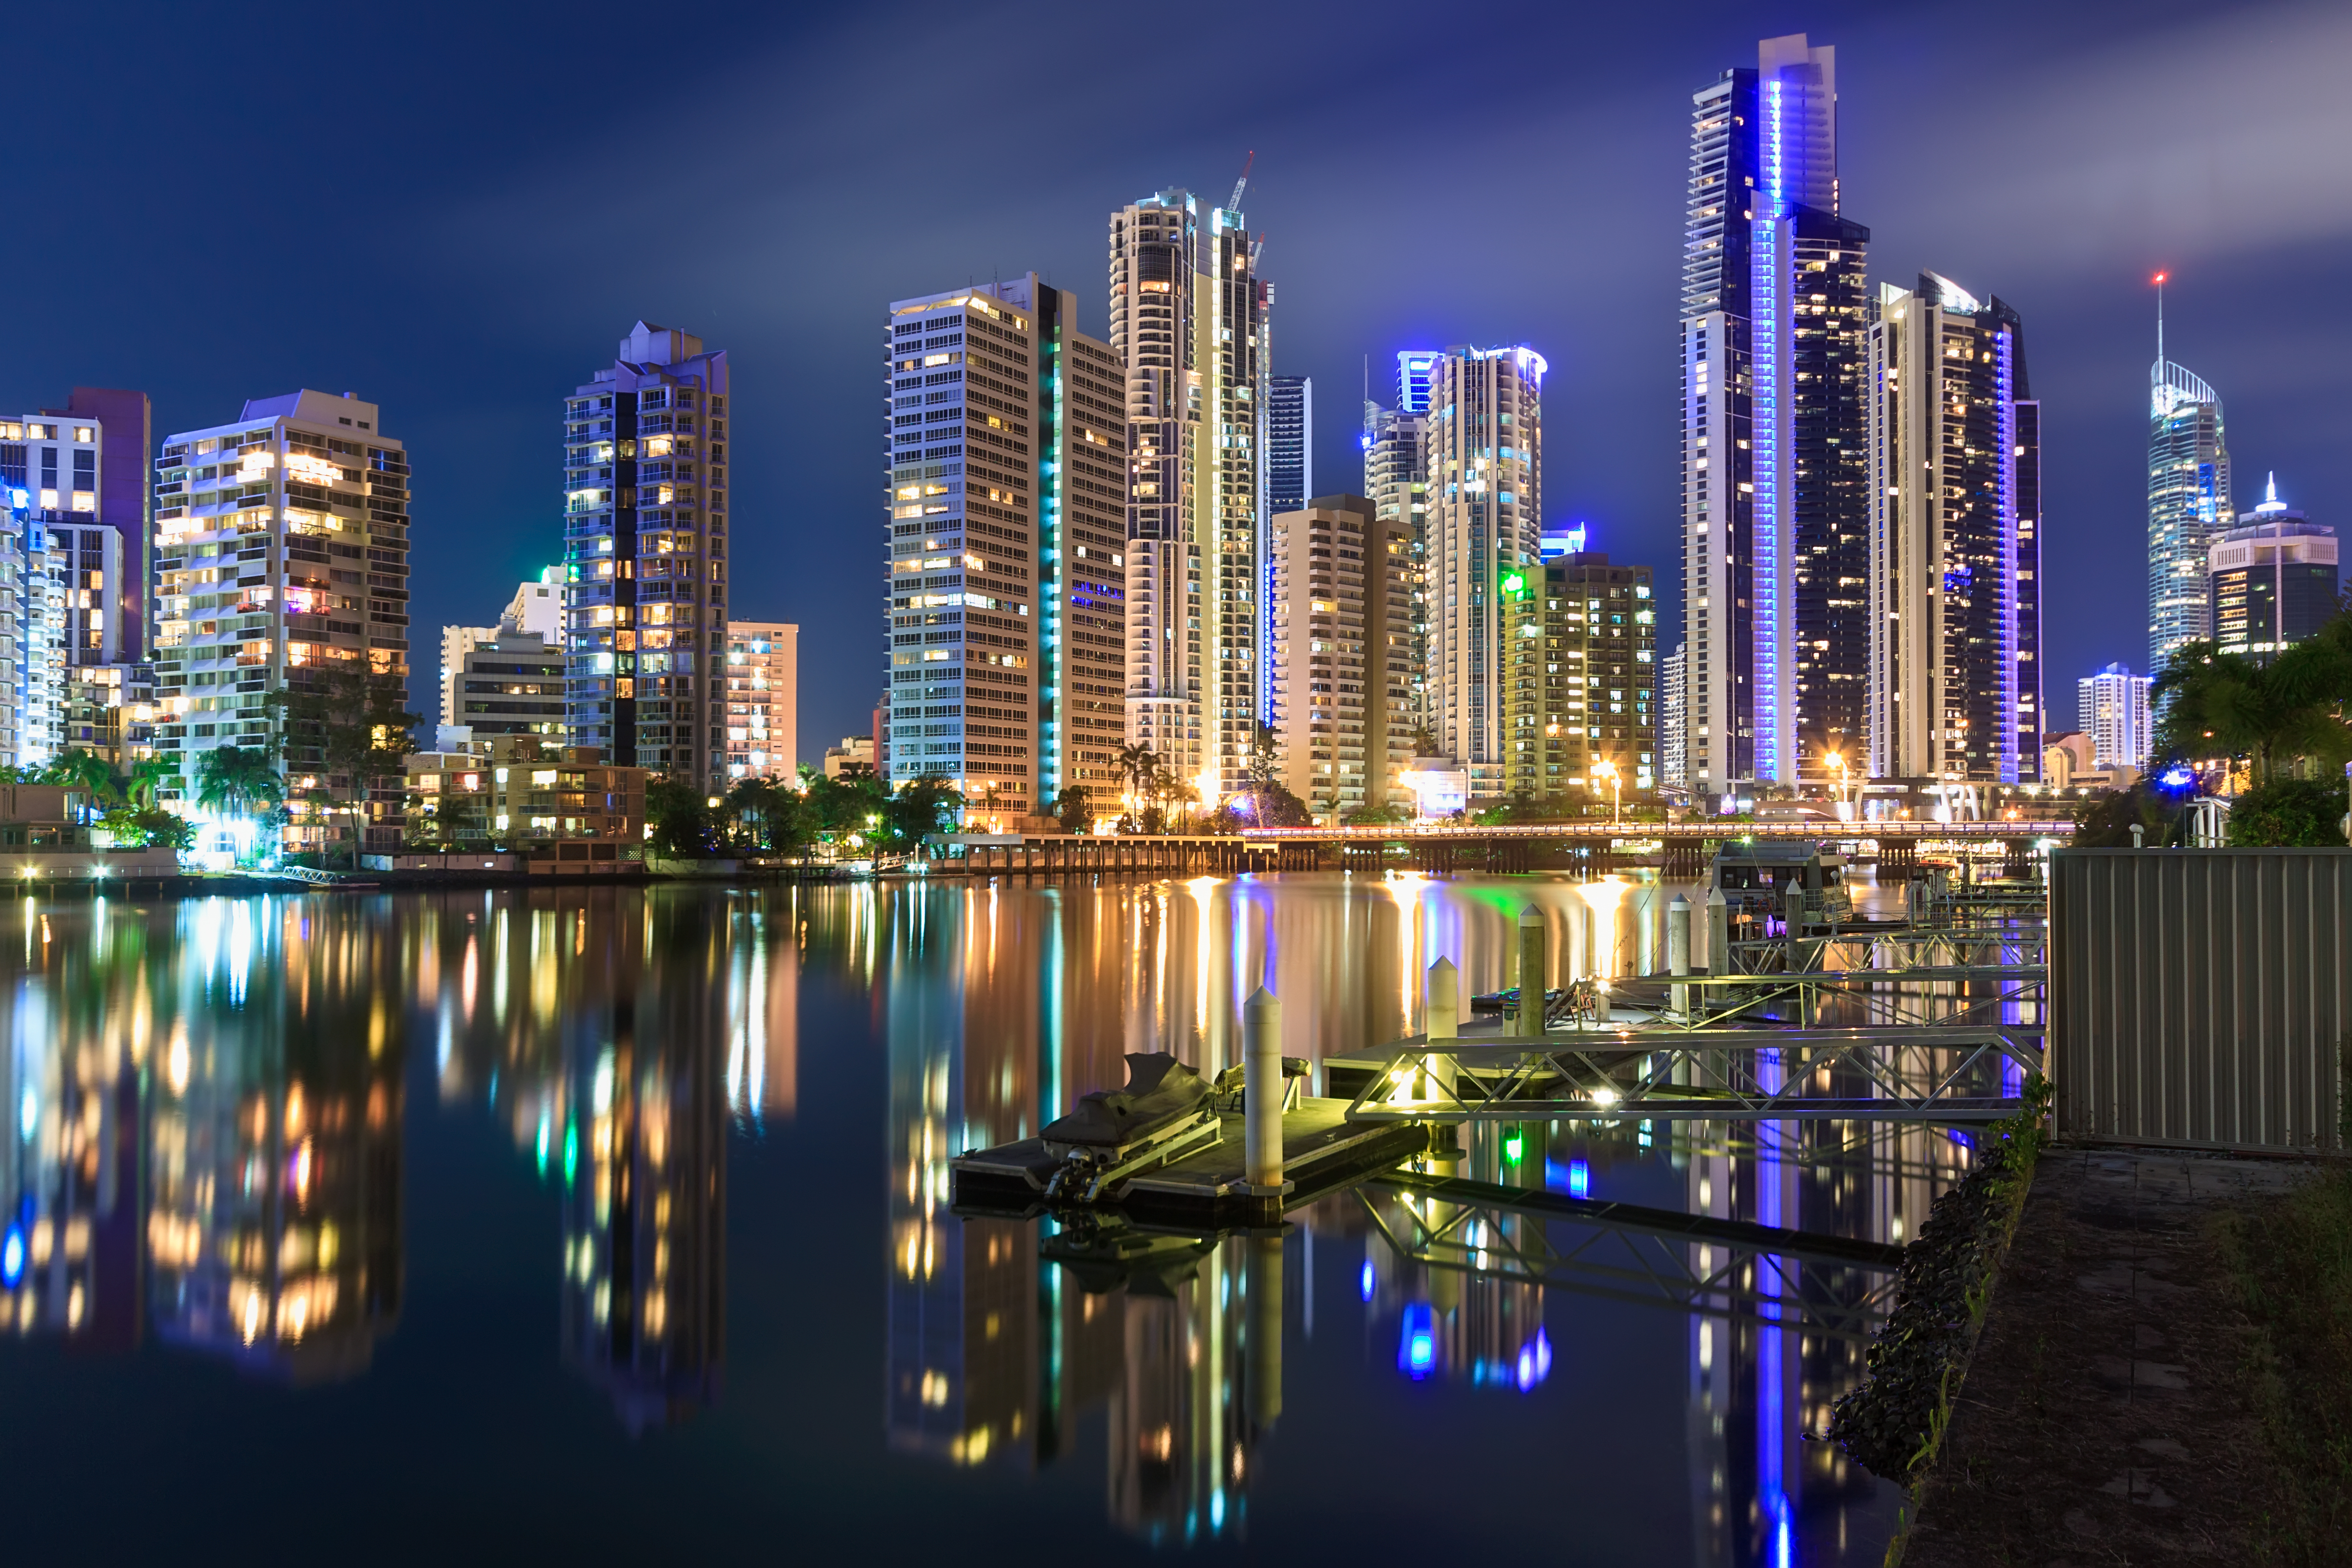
524, 793
854, 756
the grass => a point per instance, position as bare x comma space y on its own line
2291, 1259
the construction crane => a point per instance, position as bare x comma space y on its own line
1234, 204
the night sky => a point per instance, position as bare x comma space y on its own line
458, 211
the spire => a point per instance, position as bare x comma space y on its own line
2270, 496
2159, 327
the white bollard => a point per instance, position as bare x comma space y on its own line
1444, 1015
1679, 953
1262, 1092
1534, 974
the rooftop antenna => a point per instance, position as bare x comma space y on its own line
2159, 326
1236, 204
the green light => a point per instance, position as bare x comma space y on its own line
1512, 1147
570, 1152
1514, 583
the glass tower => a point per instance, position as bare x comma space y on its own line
2187, 504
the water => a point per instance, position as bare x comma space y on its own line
607, 1223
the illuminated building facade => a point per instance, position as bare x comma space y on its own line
2112, 709
2272, 580
961, 573
1288, 442
1581, 681
283, 551
645, 534
2187, 504
763, 700
1672, 716
1398, 487
1081, 556
1774, 304
1338, 681
1949, 693
1189, 320
1481, 452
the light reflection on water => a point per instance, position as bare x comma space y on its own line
221, 1105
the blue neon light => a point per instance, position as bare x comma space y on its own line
1579, 1179
1417, 1350
1366, 1282
12, 1256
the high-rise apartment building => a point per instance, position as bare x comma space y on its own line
959, 371
1398, 488
510, 682
1672, 712
2112, 708
73, 593
1188, 318
1081, 554
1288, 442
1340, 679
645, 556
1950, 701
282, 552
2187, 502
1583, 650
1482, 451
763, 700
536, 609
1775, 549
2272, 580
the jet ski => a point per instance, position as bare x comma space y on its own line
1165, 1110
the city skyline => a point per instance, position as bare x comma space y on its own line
422, 301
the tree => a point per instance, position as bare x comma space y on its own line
1138, 765
765, 817
1070, 806
922, 806
85, 770
2286, 711
679, 816
2104, 821
2290, 812
148, 777
352, 724
148, 826
238, 781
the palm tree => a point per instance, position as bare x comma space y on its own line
79, 769
147, 779
232, 781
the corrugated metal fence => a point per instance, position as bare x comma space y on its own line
2200, 996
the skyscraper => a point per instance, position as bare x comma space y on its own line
1339, 679
2112, 708
1773, 308
2188, 500
1188, 318
763, 700
2272, 580
645, 556
960, 374
1398, 488
1948, 374
282, 542
1481, 452
1081, 554
1671, 718
1583, 647
1289, 442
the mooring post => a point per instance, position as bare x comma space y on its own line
1679, 953
1262, 1279
1443, 1013
1261, 1093
1531, 971
1719, 933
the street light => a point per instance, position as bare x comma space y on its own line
1837, 760
1605, 769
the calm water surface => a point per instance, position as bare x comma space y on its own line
604, 1224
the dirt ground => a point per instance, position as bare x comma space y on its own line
2103, 1419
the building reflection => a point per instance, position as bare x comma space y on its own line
645, 1166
